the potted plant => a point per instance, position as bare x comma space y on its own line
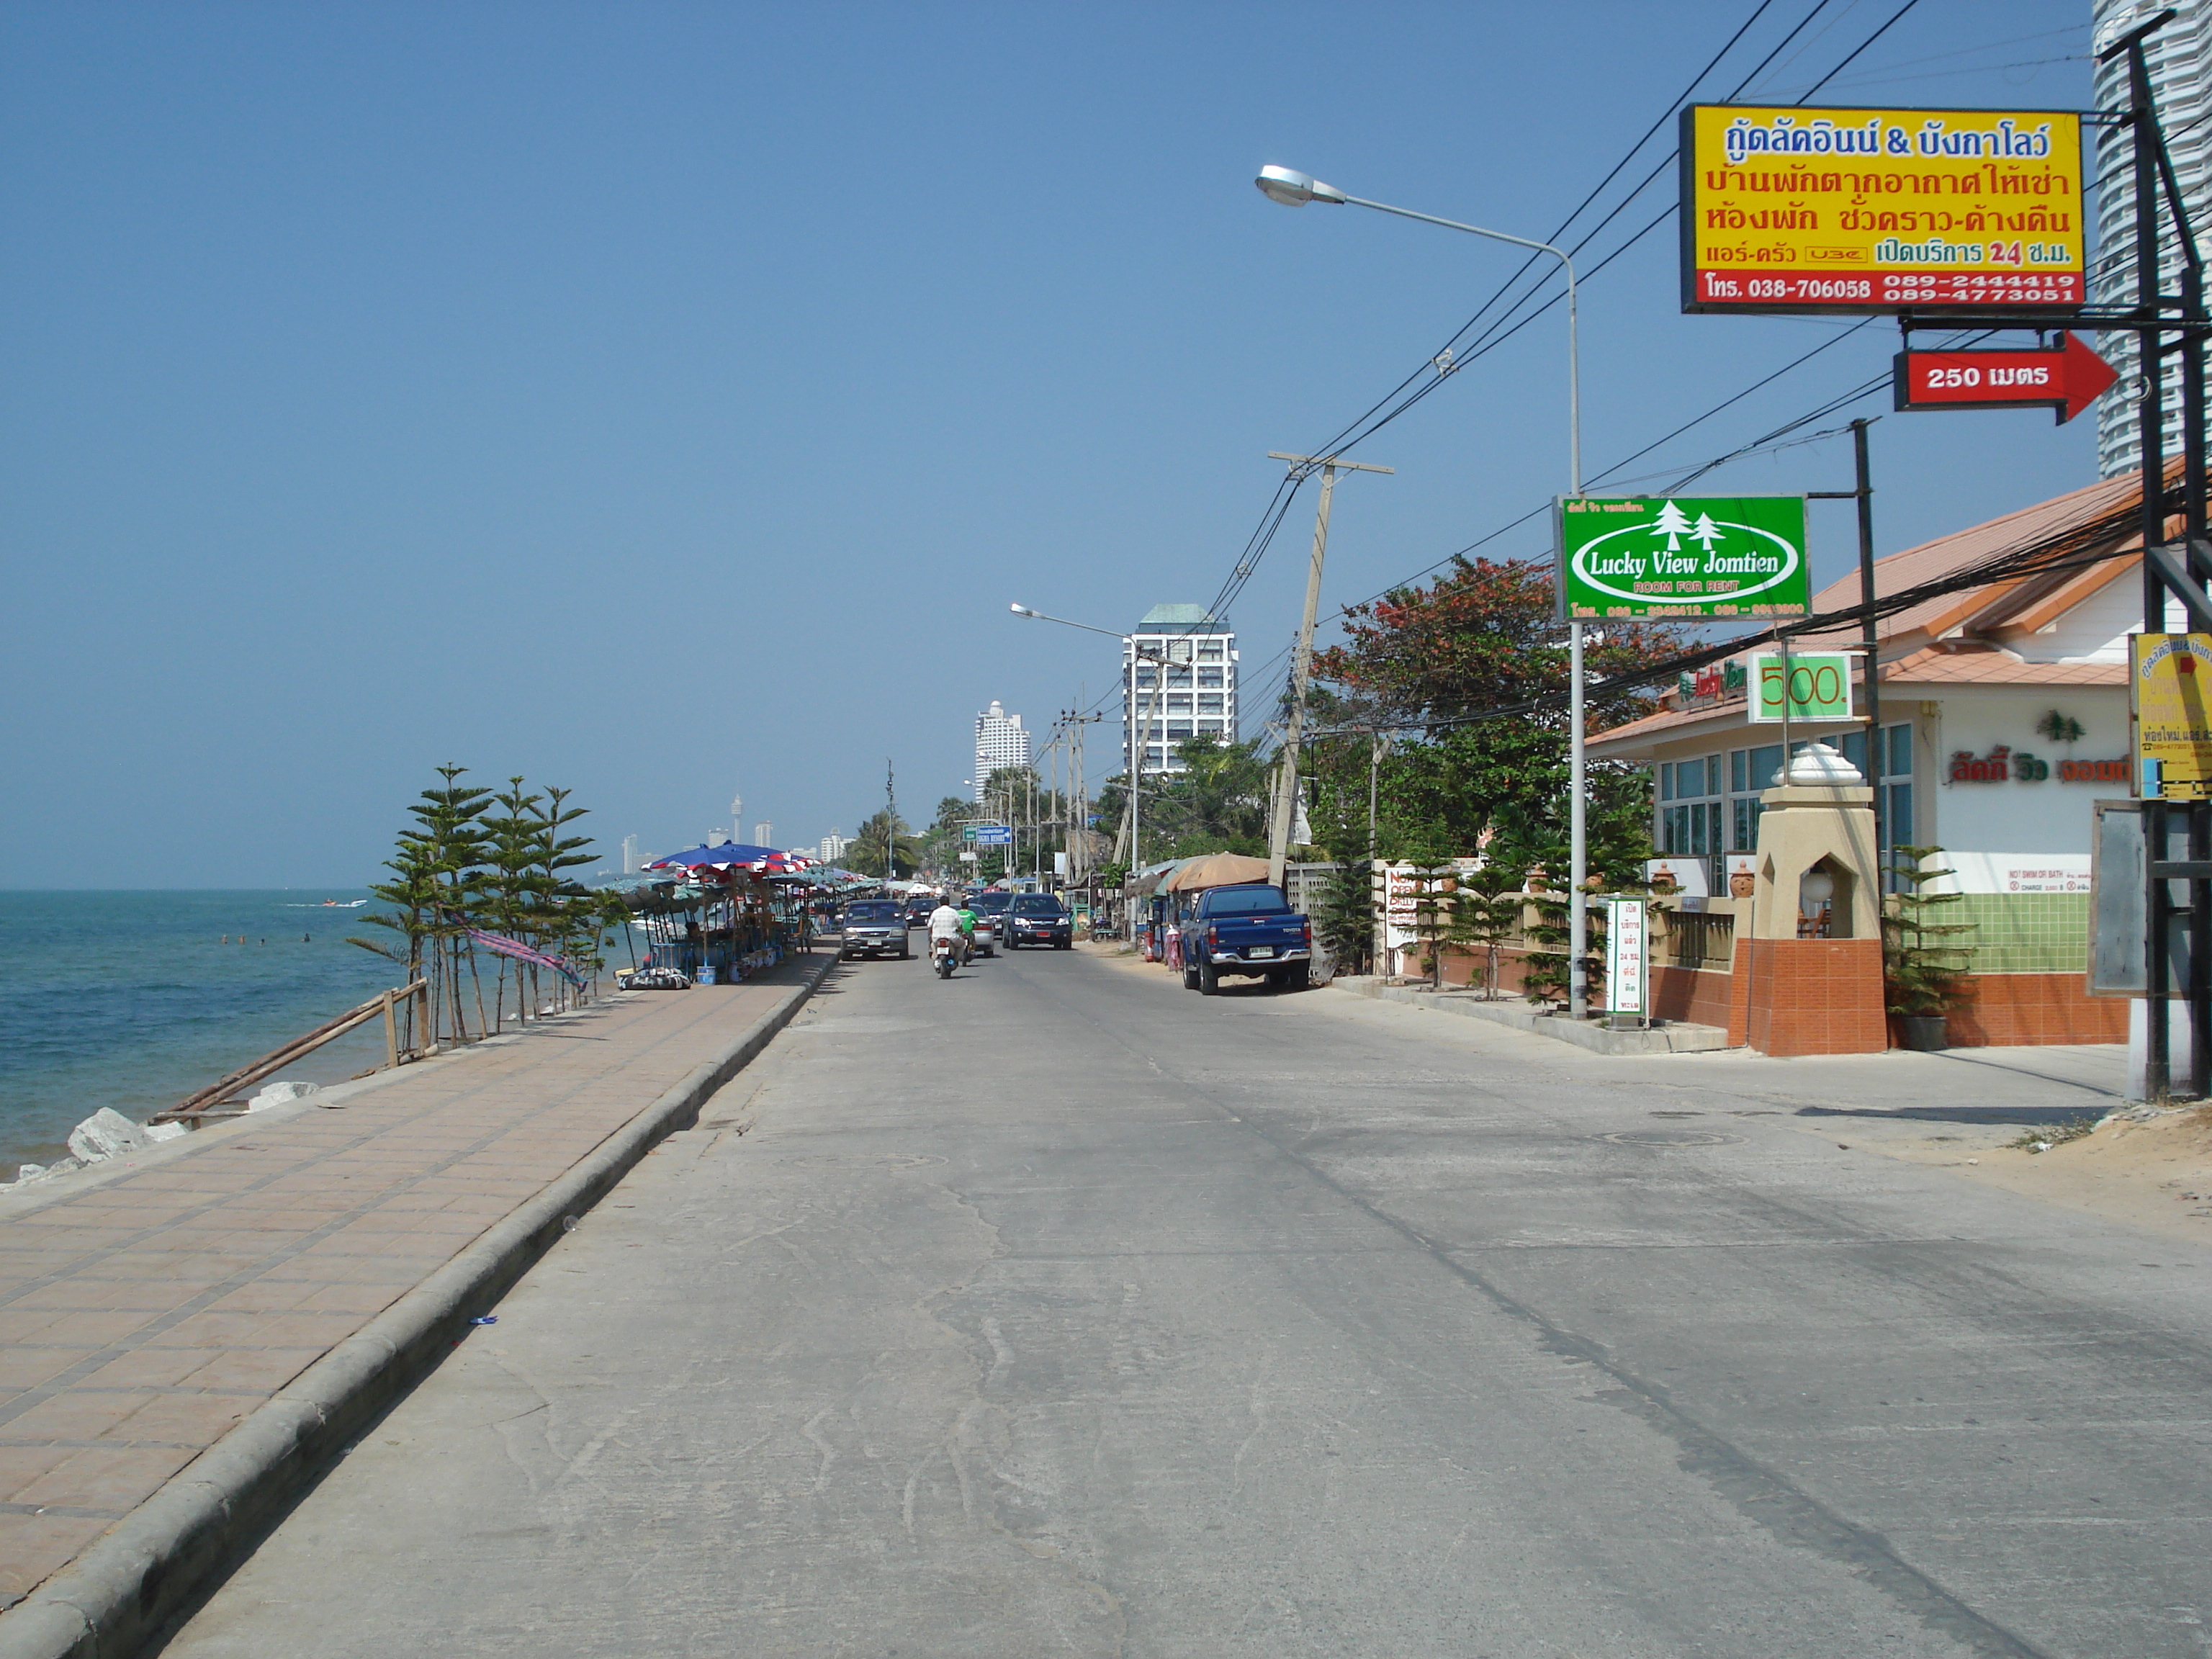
1922, 958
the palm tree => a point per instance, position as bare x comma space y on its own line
884, 843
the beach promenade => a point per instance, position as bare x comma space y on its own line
185, 1334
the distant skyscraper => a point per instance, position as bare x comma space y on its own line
1199, 698
762, 831
1000, 742
2180, 57
633, 861
832, 847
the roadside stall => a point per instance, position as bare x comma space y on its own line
1196, 876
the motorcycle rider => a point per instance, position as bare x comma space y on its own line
945, 923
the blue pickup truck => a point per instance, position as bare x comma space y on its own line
1245, 930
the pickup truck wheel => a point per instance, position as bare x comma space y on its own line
1190, 977
1279, 979
1209, 978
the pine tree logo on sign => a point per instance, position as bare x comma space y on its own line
1721, 556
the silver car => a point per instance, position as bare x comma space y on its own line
873, 927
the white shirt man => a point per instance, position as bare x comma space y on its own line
944, 922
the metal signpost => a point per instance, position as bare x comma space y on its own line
1646, 556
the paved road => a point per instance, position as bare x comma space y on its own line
1056, 1310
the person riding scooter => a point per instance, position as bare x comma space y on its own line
947, 924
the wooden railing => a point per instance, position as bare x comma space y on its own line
219, 1093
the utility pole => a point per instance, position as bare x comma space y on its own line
1382, 938
1158, 658
1286, 776
890, 828
1862, 492
1078, 861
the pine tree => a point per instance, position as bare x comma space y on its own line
1920, 970
1672, 523
1345, 917
1705, 533
1487, 913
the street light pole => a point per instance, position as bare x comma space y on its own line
1294, 189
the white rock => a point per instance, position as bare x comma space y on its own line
29, 1174
157, 1132
106, 1133
279, 1094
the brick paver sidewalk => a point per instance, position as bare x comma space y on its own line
141, 1320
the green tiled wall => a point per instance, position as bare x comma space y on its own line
2024, 932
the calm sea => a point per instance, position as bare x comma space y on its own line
133, 1001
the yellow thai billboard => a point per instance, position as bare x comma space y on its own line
1791, 210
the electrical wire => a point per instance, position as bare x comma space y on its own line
2064, 552
1446, 363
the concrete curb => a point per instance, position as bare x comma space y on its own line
128, 1585
1679, 1038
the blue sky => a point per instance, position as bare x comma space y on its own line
668, 400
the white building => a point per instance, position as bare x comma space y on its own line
2180, 57
1000, 742
633, 861
1198, 697
2004, 711
764, 834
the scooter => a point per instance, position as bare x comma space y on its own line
945, 952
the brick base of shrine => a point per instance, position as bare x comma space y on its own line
1808, 996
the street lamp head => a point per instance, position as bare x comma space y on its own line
1021, 611
1294, 189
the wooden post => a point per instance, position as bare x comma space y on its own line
391, 1035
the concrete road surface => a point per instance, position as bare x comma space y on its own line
1056, 1310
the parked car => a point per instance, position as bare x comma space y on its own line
990, 908
1039, 919
1249, 930
873, 927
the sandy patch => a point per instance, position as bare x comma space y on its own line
2153, 1173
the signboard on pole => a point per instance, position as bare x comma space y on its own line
1627, 983
992, 834
2065, 380
2169, 686
1715, 555
1838, 210
1820, 688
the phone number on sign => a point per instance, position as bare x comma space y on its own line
1902, 289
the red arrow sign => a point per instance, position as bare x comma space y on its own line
2067, 379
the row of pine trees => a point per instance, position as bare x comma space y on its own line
497, 861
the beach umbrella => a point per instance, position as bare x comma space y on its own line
720, 858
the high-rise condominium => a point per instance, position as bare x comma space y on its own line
1196, 651
2179, 59
1000, 742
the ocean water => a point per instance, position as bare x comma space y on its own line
131, 1000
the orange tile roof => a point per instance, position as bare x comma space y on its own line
1934, 667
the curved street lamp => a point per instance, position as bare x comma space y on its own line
1292, 188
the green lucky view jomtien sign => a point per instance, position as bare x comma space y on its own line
1707, 555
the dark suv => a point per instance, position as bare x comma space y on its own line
917, 911
1040, 919
873, 927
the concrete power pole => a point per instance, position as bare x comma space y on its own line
1286, 775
